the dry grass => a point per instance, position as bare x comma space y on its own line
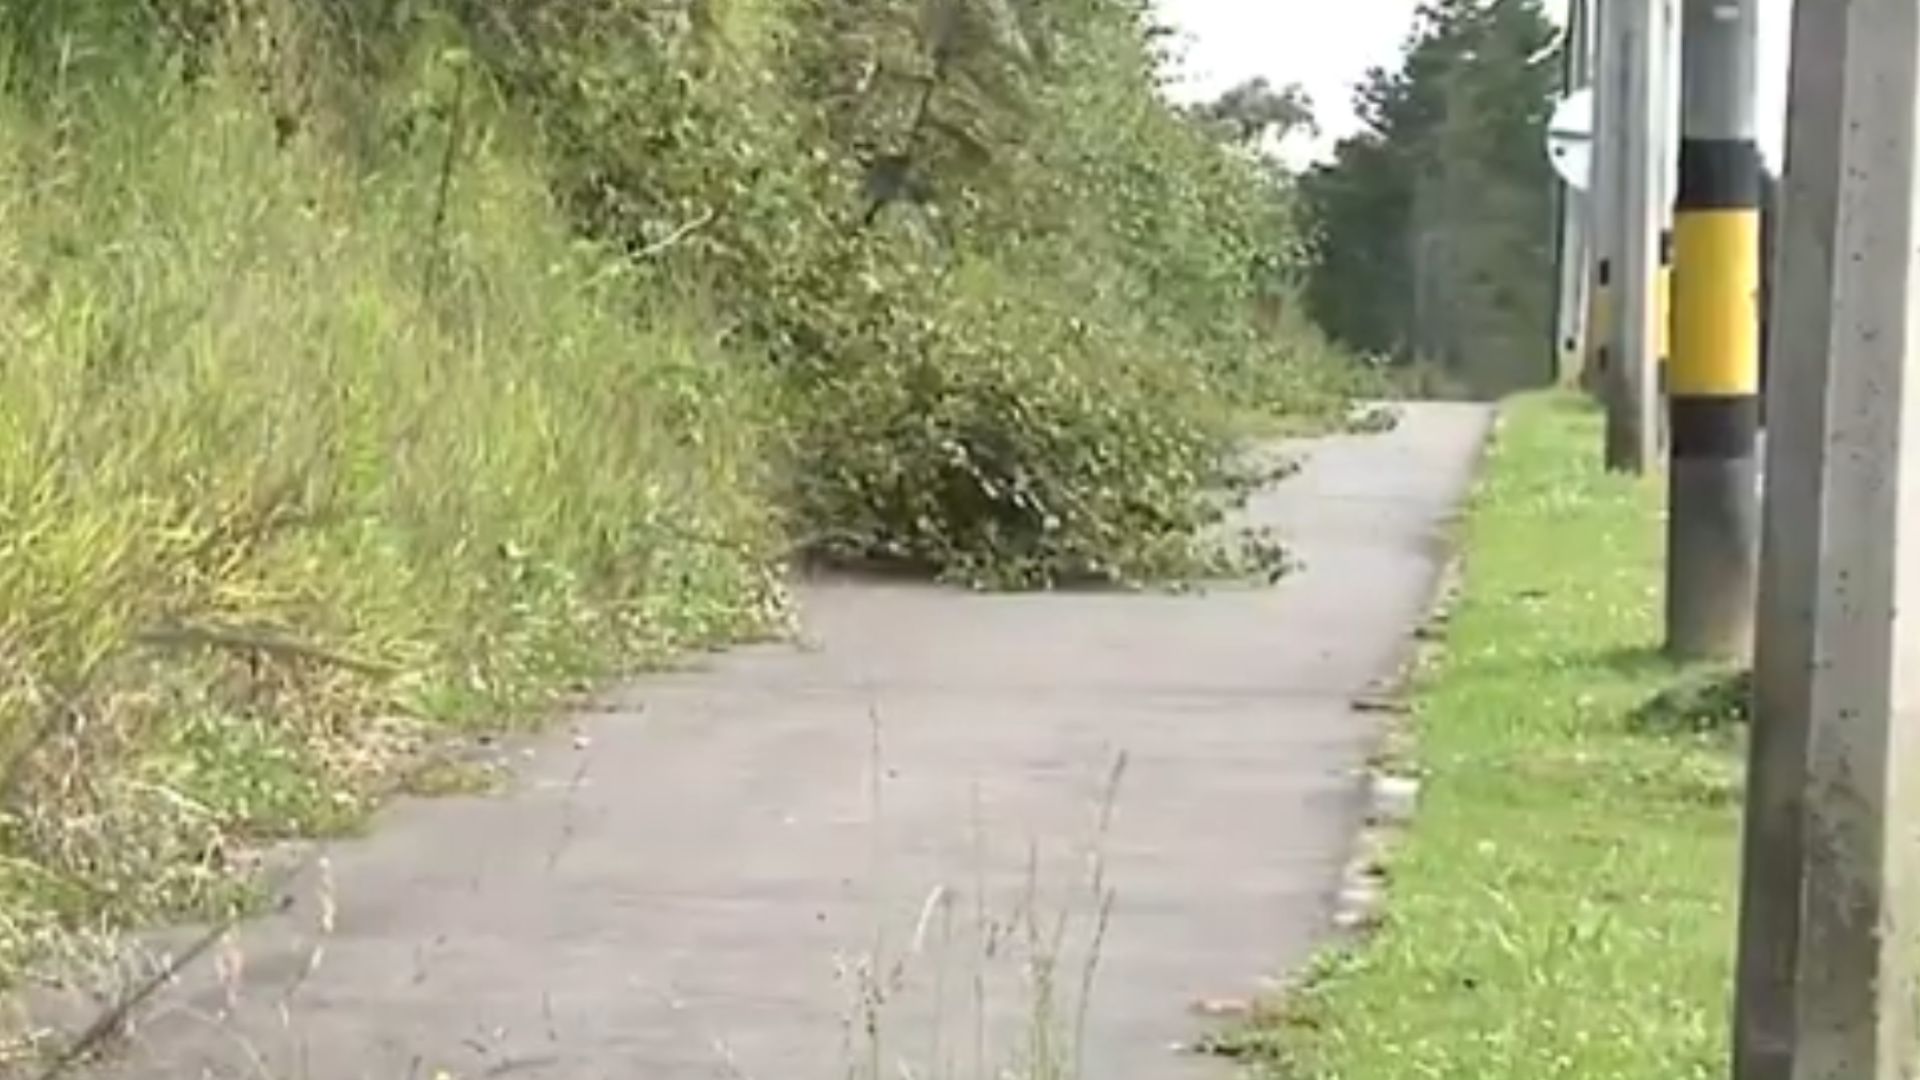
308, 460
984, 986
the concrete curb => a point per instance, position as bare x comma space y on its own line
1393, 784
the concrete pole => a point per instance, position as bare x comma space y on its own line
1830, 904
1765, 1018
1667, 162
1572, 306
1572, 261
1632, 417
1713, 482
1669, 179
1603, 201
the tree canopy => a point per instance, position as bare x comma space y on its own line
1431, 230
1255, 111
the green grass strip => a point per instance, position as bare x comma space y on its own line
1564, 904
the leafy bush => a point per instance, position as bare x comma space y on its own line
1016, 297
988, 450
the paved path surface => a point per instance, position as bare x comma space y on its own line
690, 883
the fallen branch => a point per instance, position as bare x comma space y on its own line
272, 643
114, 1019
660, 247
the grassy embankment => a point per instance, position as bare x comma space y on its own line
1563, 903
375, 372
273, 508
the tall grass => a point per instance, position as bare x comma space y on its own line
305, 454
323, 432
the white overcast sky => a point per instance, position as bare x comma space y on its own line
1327, 46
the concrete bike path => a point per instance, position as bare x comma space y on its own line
881, 849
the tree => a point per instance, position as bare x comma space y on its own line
1256, 111
1431, 223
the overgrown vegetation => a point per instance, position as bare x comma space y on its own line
273, 502
1562, 904
375, 369
1012, 293
1709, 701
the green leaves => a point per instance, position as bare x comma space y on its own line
1017, 298
1010, 447
651, 347
273, 516
1431, 224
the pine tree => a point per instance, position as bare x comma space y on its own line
1433, 221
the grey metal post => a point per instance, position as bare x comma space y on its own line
1713, 514
1828, 985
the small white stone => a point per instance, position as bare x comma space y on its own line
1362, 898
1394, 798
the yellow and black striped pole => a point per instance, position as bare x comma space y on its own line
1714, 381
